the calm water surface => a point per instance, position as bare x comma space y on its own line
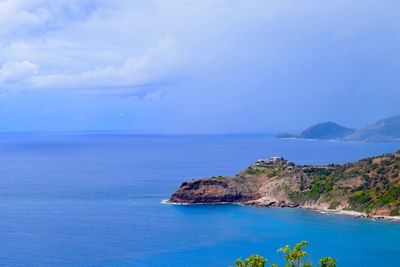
94, 200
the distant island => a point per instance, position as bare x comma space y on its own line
386, 130
367, 188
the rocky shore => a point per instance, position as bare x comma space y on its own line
349, 189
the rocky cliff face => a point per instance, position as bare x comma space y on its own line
265, 183
217, 190
371, 185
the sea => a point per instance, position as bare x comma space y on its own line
96, 199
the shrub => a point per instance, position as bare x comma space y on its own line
252, 261
294, 258
327, 262
359, 198
333, 204
394, 212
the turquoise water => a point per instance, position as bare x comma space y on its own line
95, 200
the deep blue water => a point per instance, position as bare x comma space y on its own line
94, 200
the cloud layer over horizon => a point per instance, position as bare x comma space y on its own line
213, 66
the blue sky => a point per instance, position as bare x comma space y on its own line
198, 67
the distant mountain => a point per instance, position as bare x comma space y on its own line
326, 130
381, 131
386, 130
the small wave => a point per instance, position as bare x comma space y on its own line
167, 202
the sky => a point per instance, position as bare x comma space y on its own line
197, 66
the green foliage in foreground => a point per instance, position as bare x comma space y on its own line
294, 258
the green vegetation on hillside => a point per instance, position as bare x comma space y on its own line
372, 183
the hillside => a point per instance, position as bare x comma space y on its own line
383, 130
370, 185
326, 130
386, 130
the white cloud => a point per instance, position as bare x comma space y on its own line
104, 46
19, 18
12, 71
154, 66
90, 46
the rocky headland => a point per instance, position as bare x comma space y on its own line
367, 188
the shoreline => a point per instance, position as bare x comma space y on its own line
350, 213
355, 214
167, 202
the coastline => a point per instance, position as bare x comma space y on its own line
355, 214
277, 182
314, 208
